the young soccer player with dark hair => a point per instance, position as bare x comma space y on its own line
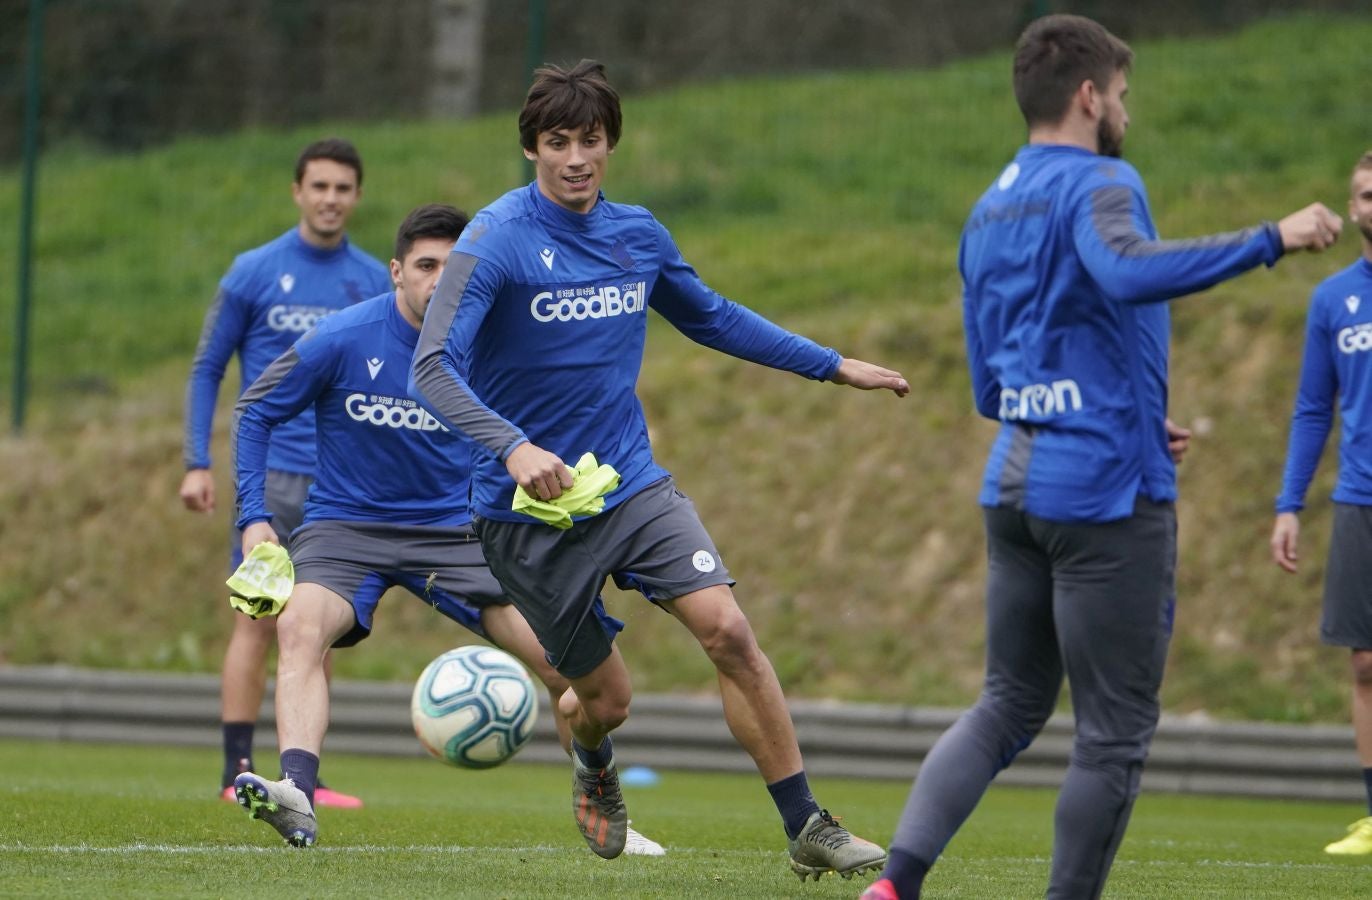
388, 507
532, 349
269, 297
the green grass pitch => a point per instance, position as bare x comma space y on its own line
109, 821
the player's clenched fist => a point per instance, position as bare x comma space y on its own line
1316, 227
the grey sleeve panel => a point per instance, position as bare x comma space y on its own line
1111, 213
211, 320
190, 452
270, 378
435, 373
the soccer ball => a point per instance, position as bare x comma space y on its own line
474, 707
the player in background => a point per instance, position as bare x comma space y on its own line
269, 297
1065, 284
388, 507
1337, 371
545, 304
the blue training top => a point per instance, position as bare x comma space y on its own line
1337, 362
1067, 338
270, 296
547, 310
382, 458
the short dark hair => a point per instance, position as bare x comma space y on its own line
336, 149
430, 220
580, 98
1054, 55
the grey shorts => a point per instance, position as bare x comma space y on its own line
1347, 618
360, 561
653, 542
285, 499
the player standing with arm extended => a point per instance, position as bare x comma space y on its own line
388, 507
544, 304
1064, 290
1337, 368
269, 297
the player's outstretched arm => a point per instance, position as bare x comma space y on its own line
868, 377
1286, 532
1316, 227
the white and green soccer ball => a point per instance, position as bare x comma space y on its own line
474, 707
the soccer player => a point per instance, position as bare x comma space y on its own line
388, 507
1338, 365
545, 304
270, 296
1065, 284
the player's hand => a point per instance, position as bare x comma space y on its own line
197, 490
258, 533
866, 377
1286, 533
1178, 439
544, 475
1314, 228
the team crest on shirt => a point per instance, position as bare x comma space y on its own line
1352, 301
287, 282
374, 366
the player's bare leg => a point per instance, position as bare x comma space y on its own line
595, 705
314, 618
758, 717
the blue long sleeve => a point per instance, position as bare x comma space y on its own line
1114, 237
714, 321
226, 322
1313, 417
284, 390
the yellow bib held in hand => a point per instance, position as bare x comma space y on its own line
263, 583
586, 497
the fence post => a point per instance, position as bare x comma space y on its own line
33, 83
533, 55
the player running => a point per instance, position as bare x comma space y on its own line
270, 296
387, 507
545, 302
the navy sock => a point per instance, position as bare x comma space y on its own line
1367, 779
237, 750
794, 801
906, 873
301, 767
599, 758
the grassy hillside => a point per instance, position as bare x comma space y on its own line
831, 204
